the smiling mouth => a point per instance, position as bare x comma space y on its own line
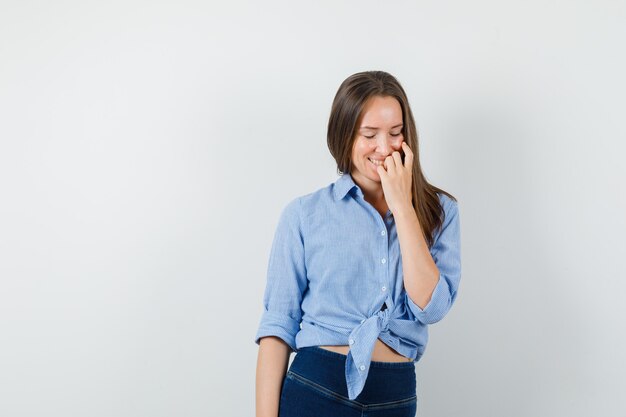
376, 163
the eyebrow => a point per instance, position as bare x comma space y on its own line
375, 128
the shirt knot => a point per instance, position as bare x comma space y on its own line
362, 340
383, 320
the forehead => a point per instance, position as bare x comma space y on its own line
381, 111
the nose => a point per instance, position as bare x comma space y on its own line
383, 143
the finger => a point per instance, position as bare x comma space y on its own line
390, 164
397, 157
408, 155
381, 171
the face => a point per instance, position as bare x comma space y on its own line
378, 136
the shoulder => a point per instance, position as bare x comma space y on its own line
450, 225
302, 205
322, 197
449, 205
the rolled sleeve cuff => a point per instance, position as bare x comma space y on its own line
438, 305
280, 325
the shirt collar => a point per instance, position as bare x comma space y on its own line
344, 184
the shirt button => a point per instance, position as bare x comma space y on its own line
351, 341
382, 232
362, 321
362, 367
384, 288
383, 260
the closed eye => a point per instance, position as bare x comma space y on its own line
370, 137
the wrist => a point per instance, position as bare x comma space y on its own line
405, 211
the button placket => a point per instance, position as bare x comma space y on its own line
383, 260
385, 250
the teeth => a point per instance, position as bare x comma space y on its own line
377, 163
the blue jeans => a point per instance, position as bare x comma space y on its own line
315, 386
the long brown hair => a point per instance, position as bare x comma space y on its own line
346, 113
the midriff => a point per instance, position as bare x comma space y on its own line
381, 353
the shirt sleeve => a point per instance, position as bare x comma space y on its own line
286, 279
446, 252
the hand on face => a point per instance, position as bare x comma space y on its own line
396, 179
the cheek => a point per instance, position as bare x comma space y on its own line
360, 148
397, 144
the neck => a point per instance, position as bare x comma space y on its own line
372, 190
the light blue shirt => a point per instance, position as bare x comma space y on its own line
335, 261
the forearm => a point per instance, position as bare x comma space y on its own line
272, 362
418, 267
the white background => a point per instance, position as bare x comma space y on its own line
147, 149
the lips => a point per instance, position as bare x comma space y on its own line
376, 162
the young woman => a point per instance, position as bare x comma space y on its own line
358, 269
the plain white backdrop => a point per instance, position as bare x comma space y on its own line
147, 149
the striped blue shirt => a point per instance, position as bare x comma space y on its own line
334, 277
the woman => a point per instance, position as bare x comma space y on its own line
358, 269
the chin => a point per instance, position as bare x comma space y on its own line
368, 172
374, 177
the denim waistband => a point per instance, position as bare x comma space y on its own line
373, 364
386, 381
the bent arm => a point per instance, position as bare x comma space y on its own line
272, 363
431, 305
